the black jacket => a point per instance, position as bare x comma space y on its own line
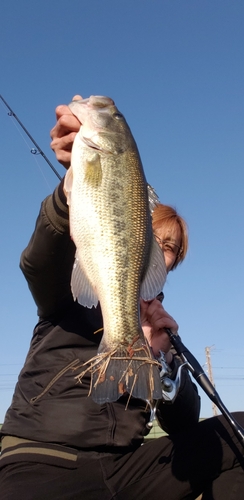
48, 404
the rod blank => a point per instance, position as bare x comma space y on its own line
200, 376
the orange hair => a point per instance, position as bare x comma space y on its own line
164, 215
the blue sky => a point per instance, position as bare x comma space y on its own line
175, 68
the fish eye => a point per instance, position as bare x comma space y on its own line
118, 116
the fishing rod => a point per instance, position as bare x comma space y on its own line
38, 150
200, 376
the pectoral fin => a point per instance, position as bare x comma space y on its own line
93, 171
81, 287
68, 183
156, 274
152, 198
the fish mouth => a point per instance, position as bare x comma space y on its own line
95, 101
99, 104
99, 101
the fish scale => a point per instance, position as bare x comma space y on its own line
117, 258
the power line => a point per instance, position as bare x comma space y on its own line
229, 367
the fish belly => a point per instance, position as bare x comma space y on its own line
111, 227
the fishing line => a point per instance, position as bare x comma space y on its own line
42, 173
34, 151
17, 128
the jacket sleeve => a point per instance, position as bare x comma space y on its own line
184, 412
48, 259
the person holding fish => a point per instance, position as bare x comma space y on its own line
93, 377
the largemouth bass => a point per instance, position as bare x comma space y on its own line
117, 258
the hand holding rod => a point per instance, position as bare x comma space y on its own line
197, 371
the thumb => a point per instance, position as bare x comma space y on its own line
77, 98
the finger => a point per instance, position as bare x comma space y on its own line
160, 342
66, 123
143, 305
77, 98
63, 143
159, 318
156, 310
62, 148
161, 324
62, 109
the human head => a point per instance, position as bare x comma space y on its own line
169, 226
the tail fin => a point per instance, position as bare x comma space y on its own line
129, 369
